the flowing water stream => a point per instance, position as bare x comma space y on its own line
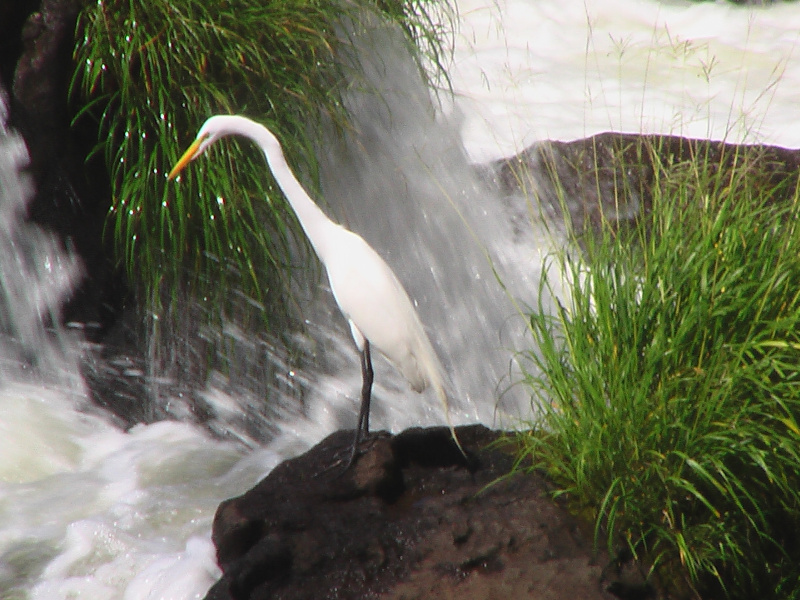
88, 510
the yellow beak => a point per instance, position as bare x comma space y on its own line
187, 157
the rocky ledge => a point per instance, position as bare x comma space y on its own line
410, 519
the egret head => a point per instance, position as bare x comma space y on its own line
220, 126
213, 129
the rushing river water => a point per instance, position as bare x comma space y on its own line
90, 511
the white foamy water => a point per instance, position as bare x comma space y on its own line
526, 71
93, 512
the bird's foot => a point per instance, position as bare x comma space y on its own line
356, 449
352, 459
347, 457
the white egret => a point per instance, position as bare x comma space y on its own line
367, 291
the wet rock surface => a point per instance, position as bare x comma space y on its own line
611, 176
410, 519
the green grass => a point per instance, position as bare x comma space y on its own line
668, 382
148, 73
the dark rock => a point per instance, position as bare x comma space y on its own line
44, 67
611, 175
410, 519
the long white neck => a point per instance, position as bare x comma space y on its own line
313, 221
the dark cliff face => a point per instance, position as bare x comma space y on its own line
13, 14
72, 195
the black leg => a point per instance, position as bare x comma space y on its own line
366, 395
367, 377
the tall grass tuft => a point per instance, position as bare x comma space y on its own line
150, 72
668, 382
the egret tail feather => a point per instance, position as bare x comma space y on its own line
445, 399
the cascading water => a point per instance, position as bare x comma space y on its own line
88, 510
35, 274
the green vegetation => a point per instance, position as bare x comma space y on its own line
668, 381
150, 72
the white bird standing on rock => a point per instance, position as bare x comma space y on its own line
367, 291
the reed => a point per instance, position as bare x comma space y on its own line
668, 381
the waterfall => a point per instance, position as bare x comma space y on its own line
36, 277
402, 179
